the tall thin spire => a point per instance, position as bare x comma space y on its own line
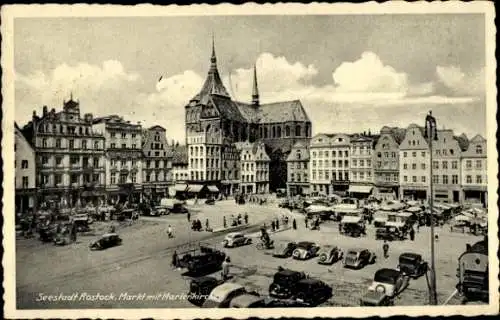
71, 96
213, 59
255, 90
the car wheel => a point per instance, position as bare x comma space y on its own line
296, 254
323, 257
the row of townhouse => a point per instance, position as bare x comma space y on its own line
68, 158
395, 162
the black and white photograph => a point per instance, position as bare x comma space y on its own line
184, 162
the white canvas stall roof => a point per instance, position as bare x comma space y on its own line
213, 189
195, 187
360, 189
397, 224
404, 214
414, 209
351, 219
314, 208
462, 218
180, 187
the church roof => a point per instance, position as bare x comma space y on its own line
282, 111
228, 108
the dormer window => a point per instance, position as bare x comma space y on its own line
479, 149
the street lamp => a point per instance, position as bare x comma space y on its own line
430, 133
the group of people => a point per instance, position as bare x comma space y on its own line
235, 221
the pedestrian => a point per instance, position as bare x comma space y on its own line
189, 216
412, 234
246, 218
224, 222
225, 268
277, 224
385, 248
340, 227
273, 225
207, 225
294, 224
305, 220
418, 226
170, 231
174, 259
286, 221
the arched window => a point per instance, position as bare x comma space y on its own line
278, 132
287, 131
298, 130
299, 155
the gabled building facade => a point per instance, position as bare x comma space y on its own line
386, 160
298, 170
214, 121
254, 167
70, 160
157, 163
474, 171
25, 176
361, 166
123, 157
414, 162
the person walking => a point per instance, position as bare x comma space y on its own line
224, 222
170, 231
277, 224
385, 248
174, 260
225, 268
412, 234
189, 216
207, 225
305, 220
246, 218
273, 225
294, 224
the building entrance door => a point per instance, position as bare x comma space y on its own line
456, 196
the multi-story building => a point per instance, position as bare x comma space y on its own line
474, 173
414, 161
180, 170
361, 174
446, 167
157, 163
329, 164
386, 160
214, 121
123, 157
254, 167
70, 155
25, 172
230, 169
298, 170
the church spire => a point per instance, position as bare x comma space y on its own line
255, 90
213, 58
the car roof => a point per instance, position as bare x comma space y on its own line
305, 243
310, 281
387, 273
410, 255
288, 272
204, 279
225, 288
232, 234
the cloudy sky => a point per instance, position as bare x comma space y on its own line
352, 73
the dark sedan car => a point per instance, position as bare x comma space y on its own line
200, 288
284, 250
284, 284
106, 241
305, 250
329, 255
412, 265
313, 292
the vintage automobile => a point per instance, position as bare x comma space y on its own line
412, 265
210, 201
386, 285
159, 211
107, 240
284, 285
200, 288
389, 233
305, 250
313, 291
284, 250
201, 259
358, 258
329, 255
473, 272
248, 300
236, 239
221, 296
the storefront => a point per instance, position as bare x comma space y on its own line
360, 191
25, 200
477, 195
417, 194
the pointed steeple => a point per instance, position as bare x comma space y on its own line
255, 89
213, 58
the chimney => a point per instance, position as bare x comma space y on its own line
45, 110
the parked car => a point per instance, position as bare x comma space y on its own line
358, 258
160, 211
389, 233
200, 288
313, 291
284, 285
236, 239
284, 250
248, 300
201, 259
221, 296
329, 255
412, 265
387, 284
305, 250
106, 241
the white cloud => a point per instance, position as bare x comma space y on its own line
101, 89
461, 83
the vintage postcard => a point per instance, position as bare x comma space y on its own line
236, 160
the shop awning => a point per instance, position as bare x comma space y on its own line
195, 188
181, 187
213, 189
350, 219
360, 189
